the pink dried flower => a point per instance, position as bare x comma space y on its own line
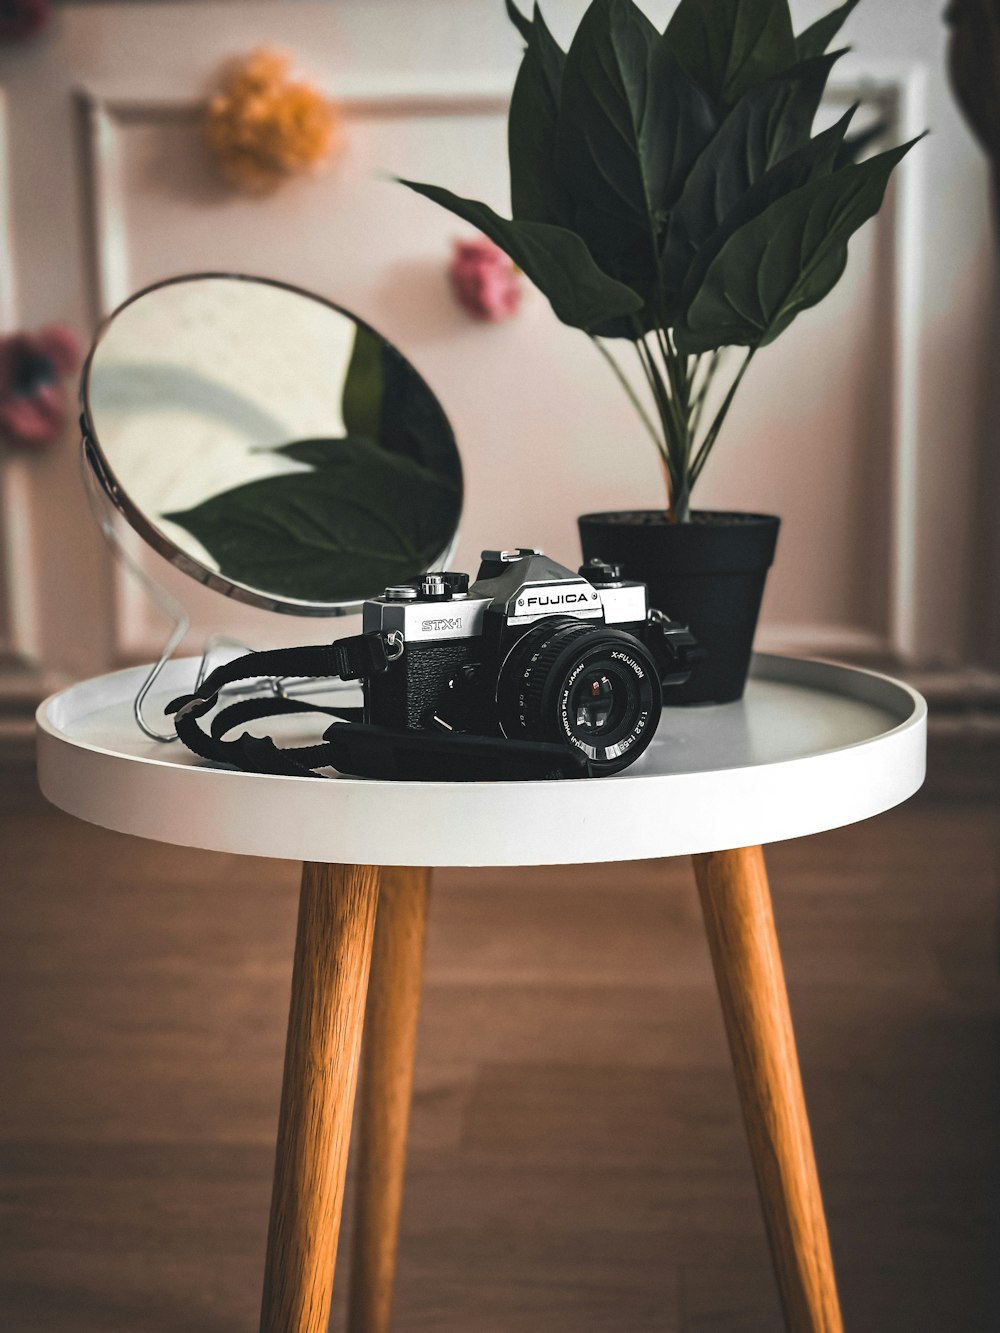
486, 282
33, 402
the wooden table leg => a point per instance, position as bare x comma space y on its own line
333, 950
387, 1059
736, 902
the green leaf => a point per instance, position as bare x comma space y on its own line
364, 518
818, 36
550, 54
387, 402
319, 453
631, 124
538, 38
762, 132
730, 46
362, 400
856, 145
413, 421
785, 259
531, 142
794, 114
520, 21
554, 259
814, 159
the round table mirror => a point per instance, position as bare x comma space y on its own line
269, 443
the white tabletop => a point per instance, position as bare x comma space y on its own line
811, 746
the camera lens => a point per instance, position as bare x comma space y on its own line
597, 703
589, 685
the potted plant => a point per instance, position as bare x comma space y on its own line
668, 197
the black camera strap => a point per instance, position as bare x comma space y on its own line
351, 745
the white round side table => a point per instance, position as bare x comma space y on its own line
810, 747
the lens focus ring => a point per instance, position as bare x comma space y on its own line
547, 685
535, 676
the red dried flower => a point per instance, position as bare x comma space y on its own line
33, 401
21, 19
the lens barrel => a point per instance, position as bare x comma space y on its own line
591, 686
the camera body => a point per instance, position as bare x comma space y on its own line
529, 650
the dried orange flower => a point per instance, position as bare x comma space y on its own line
264, 127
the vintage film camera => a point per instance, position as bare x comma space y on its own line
532, 672
530, 651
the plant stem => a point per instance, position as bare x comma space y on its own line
656, 388
681, 371
673, 426
667, 423
677, 368
636, 402
668, 362
705, 447
679, 408
654, 380
706, 384
678, 394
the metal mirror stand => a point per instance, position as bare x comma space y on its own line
103, 511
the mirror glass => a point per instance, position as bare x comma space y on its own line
269, 443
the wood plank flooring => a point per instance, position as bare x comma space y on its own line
577, 1162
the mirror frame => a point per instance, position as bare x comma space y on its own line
157, 540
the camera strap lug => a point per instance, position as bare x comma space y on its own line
674, 648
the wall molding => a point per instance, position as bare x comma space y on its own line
106, 114
18, 606
909, 97
897, 93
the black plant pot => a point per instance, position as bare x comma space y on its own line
708, 573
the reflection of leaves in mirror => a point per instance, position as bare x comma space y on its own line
321, 453
364, 518
362, 402
381, 505
387, 401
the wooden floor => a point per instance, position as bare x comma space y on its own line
578, 1161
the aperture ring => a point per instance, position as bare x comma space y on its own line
534, 678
